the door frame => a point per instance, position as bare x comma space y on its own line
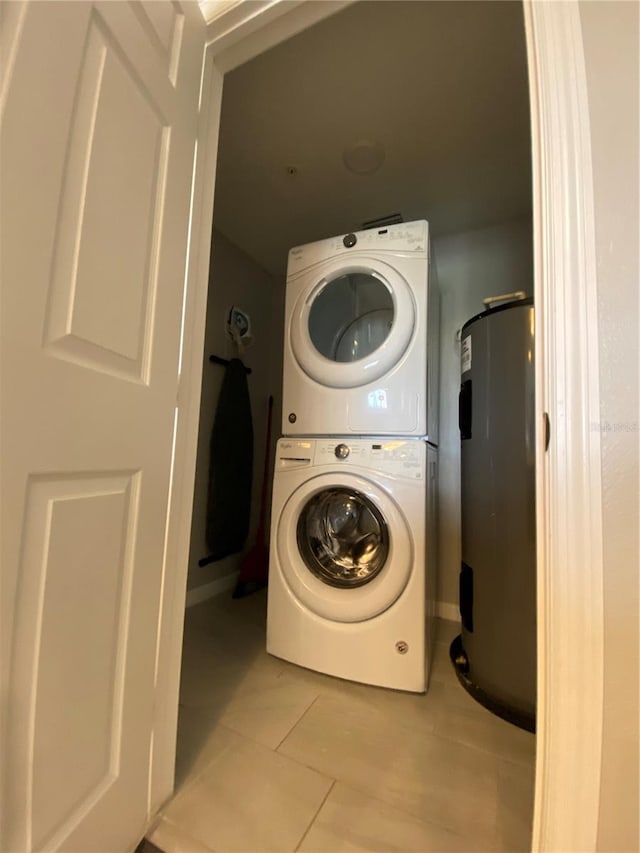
568, 476
569, 531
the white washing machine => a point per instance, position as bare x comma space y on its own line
351, 582
361, 335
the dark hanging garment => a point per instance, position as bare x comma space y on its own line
230, 466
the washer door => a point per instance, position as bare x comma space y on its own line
352, 325
344, 547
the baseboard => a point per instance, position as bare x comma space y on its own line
446, 610
209, 590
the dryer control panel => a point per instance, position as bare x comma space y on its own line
405, 238
398, 457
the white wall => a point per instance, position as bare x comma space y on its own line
610, 33
470, 266
235, 279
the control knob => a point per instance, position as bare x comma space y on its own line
341, 451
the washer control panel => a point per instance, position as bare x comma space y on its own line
401, 457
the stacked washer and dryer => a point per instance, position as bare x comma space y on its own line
353, 530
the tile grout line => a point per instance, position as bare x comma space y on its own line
443, 827
318, 810
447, 827
297, 723
192, 778
481, 750
442, 737
498, 757
503, 762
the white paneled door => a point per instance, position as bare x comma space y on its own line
99, 120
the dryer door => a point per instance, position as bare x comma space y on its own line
352, 324
344, 547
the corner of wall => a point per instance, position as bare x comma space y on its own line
234, 279
470, 266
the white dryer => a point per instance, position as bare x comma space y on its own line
350, 590
361, 323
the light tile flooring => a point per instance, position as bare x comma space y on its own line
272, 757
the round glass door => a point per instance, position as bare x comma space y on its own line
351, 316
342, 537
353, 325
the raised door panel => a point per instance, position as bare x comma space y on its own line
106, 259
72, 619
163, 23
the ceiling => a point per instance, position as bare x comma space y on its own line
440, 87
